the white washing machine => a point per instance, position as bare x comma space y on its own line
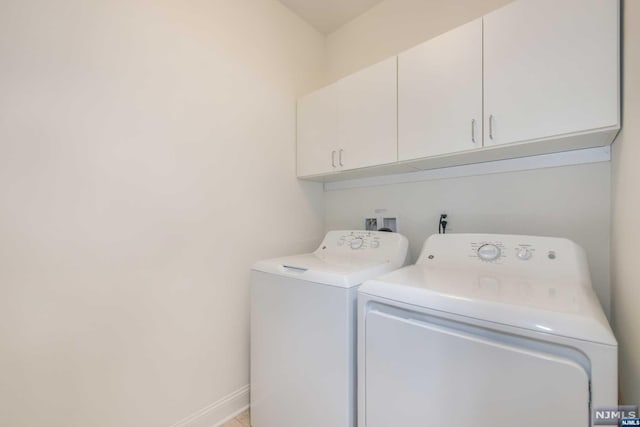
485, 330
303, 328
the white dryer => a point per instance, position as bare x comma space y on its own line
485, 330
303, 328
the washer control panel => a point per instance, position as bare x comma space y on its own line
361, 245
360, 240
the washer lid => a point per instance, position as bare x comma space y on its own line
345, 258
329, 270
558, 308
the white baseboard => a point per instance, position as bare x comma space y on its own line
219, 412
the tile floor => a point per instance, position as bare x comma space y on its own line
242, 420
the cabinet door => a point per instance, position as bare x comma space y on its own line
367, 116
440, 94
317, 132
551, 68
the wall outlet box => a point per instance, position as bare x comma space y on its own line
375, 223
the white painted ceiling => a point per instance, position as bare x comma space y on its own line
329, 15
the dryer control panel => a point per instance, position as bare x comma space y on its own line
496, 250
521, 255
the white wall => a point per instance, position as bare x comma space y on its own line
147, 159
571, 202
396, 25
626, 211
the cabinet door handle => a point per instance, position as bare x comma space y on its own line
340, 157
491, 126
333, 158
473, 130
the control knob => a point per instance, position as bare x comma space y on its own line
489, 252
356, 243
524, 254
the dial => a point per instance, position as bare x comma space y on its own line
356, 243
524, 254
489, 252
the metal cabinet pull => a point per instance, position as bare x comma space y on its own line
333, 158
340, 157
491, 126
473, 130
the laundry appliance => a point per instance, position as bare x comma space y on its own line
485, 330
303, 328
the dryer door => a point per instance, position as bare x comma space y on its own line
438, 373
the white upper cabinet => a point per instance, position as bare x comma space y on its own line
367, 116
533, 77
318, 132
551, 68
440, 94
